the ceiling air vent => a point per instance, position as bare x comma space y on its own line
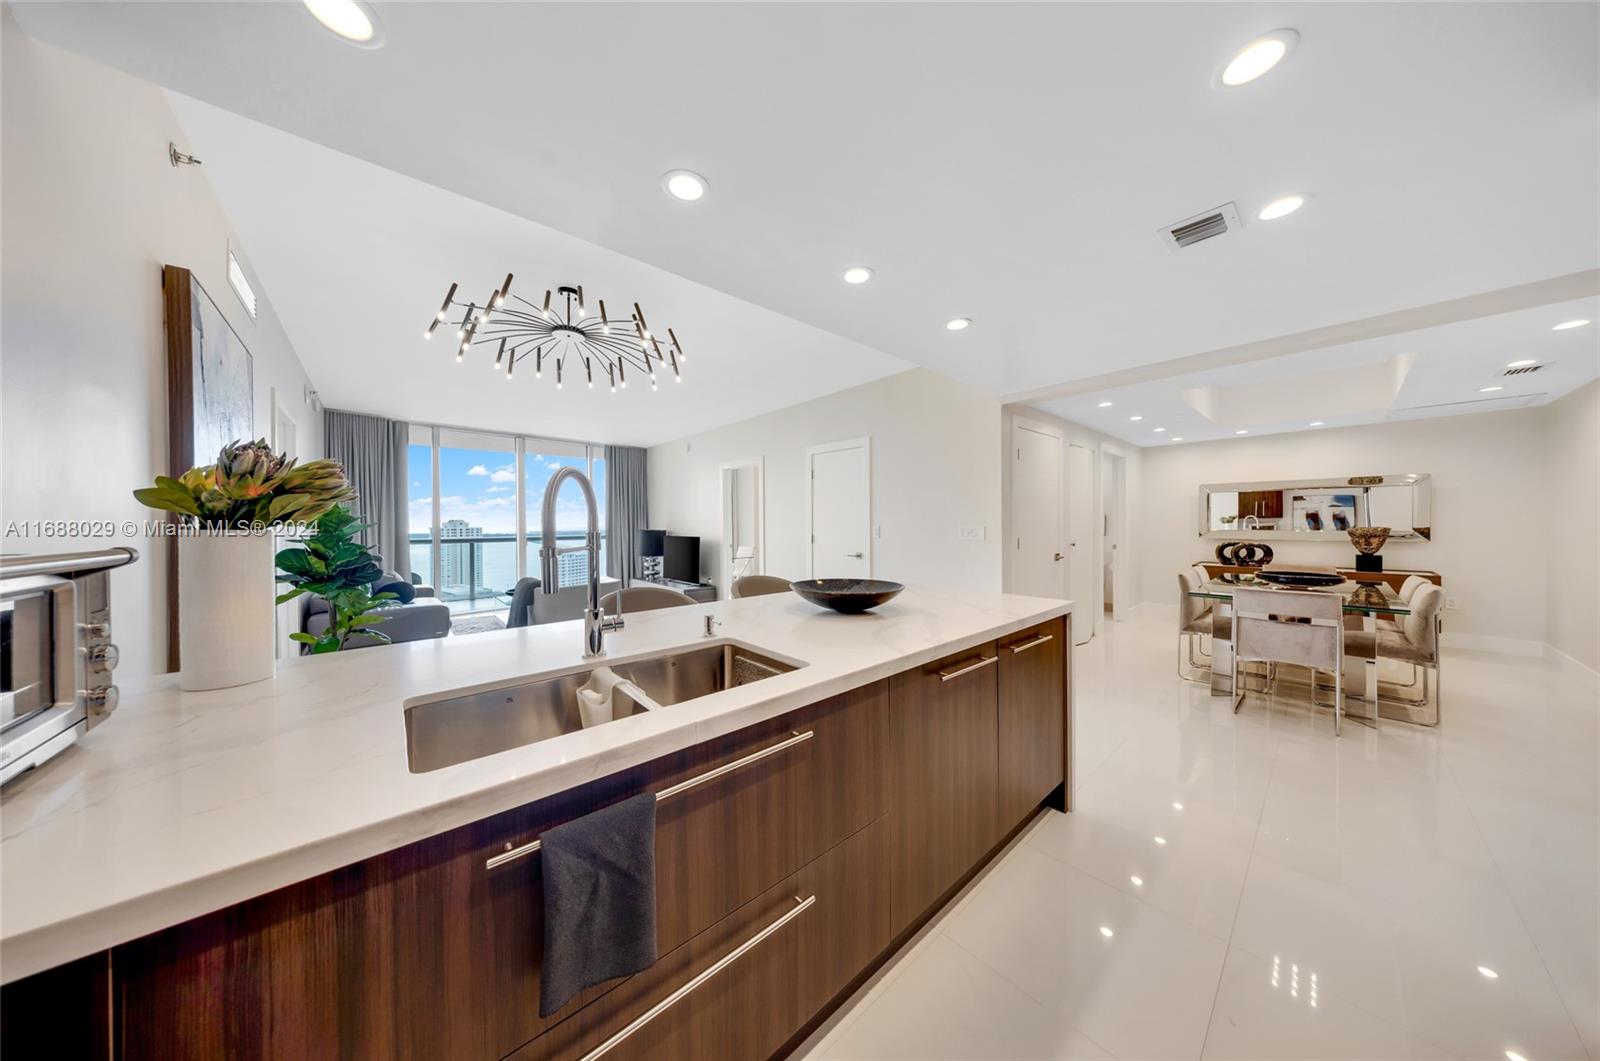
1202, 226
1521, 370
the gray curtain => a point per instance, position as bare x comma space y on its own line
373, 452
627, 509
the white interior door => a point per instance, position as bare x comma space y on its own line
1036, 513
840, 509
1114, 506
1081, 573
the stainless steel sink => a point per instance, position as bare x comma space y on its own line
457, 729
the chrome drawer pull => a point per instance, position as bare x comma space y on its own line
951, 675
1035, 643
511, 854
800, 907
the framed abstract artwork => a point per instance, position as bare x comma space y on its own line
210, 394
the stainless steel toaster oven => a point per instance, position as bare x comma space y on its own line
56, 654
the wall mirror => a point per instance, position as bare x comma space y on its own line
1300, 509
743, 523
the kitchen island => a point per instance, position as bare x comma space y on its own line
266, 871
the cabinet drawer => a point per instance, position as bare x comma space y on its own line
1031, 716
728, 993
741, 988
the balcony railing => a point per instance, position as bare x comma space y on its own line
478, 572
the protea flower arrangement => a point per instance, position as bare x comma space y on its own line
225, 577
251, 486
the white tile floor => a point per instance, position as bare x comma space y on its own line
1251, 887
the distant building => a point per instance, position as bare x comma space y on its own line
459, 567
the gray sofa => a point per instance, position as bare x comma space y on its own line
531, 607
422, 618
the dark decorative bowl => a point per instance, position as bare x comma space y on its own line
1300, 578
847, 595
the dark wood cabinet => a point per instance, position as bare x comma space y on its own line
944, 732
1263, 504
1032, 731
811, 841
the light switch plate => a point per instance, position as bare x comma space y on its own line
974, 534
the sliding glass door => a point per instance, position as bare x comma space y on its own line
476, 503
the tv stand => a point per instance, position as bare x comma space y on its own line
703, 593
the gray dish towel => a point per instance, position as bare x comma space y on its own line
599, 899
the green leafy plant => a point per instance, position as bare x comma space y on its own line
251, 486
342, 571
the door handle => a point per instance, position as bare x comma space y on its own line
856, 556
1058, 556
956, 672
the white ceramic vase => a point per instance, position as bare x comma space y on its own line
226, 587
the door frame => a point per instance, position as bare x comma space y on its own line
865, 445
1118, 517
760, 465
1038, 427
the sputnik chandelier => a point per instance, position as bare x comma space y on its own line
562, 336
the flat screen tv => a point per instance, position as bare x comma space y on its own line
682, 562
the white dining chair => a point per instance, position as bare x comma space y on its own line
1289, 626
1409, 587
1194, 624
1414, 639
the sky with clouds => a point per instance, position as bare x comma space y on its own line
480, 486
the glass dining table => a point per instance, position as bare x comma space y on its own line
1370, 601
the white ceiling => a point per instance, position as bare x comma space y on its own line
1010, 163
355, 259
1410, 376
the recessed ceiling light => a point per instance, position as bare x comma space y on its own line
959, 323
1568, 325
857, 274
1524, 363
1315, 423
1512, 1055
684, 184
1176, 438
1159, 430
352, 20
1138, 882
1177, 806
1281, 207
1242, 431
1135, 418
1259, 56
1106, 932
1161, 840
1490, 390
1105, 405
1488, 973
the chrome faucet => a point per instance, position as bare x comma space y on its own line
595, 623
1251, 522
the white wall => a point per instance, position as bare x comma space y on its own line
1572, 554
935, 469
91, 210
1097, 443
1495, 496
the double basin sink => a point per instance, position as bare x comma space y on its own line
457, 729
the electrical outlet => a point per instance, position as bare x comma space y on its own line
973, 534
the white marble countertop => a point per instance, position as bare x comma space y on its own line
183, 803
